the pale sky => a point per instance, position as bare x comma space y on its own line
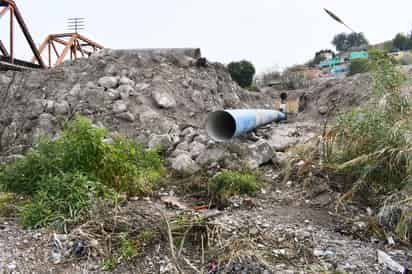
269, 33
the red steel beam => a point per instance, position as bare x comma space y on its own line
73, 43
4, 11
3, 49
15, 13
11, 34
65, 51
55, 49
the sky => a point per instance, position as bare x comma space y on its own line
272, 34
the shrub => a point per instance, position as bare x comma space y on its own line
230, 183
62, 198
358, 66
242, 73
63, 177
402, 41
344, 42
370, 144
128, 168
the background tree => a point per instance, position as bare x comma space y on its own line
400, 41
339, 41
344, 42
242, 72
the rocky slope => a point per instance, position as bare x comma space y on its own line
154, 97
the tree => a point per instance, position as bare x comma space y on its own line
242, 72
339, 41
400, 41
344, 42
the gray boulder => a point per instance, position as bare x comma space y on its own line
211, 156
61, 108
125, 91
119, 106
126, 81
183, 163
163, 99
259, 153
108, 82
126, 116
160, 140
197, 149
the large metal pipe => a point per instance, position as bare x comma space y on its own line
223, 125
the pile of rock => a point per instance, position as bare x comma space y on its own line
158, 97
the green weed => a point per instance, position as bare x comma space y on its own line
230, 183
61, 178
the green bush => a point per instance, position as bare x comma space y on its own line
128, 168
61, 198
80, 148
63, 177
358, 66
242, 73
230, 183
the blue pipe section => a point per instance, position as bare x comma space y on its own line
226, 124
249, 119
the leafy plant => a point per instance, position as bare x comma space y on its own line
5, 200
402, 41
62, 198
109, 264
128, 248
63, 177
146, 235
242, 72
230, 183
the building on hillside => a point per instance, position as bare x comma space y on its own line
340, 70
330, 63
339, 65
354, 55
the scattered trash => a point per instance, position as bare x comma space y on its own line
79, 249
212, 268
323, 253
386, 260
391, 241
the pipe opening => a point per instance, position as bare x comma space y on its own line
283, 97
221, 126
